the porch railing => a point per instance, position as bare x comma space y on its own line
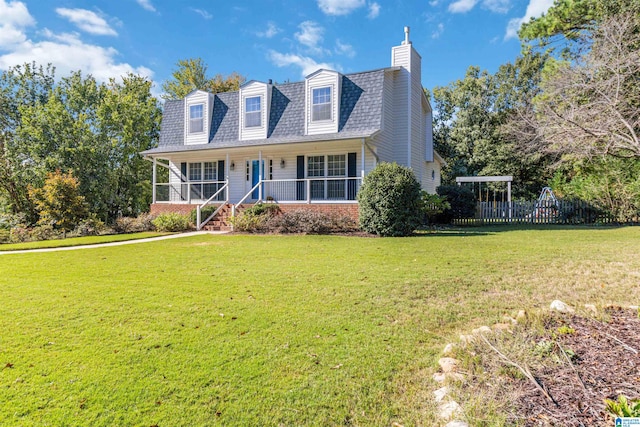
214, 197
311, 190
187, 192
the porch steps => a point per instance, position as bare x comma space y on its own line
220, 222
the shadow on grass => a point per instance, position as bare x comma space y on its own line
477, 230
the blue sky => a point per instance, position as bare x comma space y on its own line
261, 39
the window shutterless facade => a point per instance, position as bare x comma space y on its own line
196, 118
253, 112
321, 104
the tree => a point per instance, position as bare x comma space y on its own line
20, 87
92, 129
59, 202
469, 126
192, 74
390, 201
591, 107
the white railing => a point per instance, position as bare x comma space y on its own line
256, 187
187, 192
312, 190
225, 188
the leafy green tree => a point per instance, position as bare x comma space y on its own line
23, 86
471, 126
192, 75
390, 201
94, 130
59, 202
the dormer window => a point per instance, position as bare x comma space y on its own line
252, 112
196, 118
321, 107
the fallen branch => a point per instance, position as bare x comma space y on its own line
623, 344
525, 371
572, 366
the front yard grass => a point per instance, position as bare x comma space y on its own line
276, 330
79, 241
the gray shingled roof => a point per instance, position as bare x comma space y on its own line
360, 116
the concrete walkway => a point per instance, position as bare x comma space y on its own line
105, 245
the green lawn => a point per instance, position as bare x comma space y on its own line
275, 330
79, 241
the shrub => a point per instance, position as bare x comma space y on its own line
254, 219
204, 213
9, 221
462, 203
59, 202
5, 236
310, 222
433, 205
390, 201
44, 232
172, 222
143, 222
91, 226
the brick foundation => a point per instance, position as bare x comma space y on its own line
184, 209
349, 209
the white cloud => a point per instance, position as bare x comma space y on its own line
202, 12
339, 7
311, 35
438, 31
462, 6
146, 4
307, 65
344, 49
374, 10
14, 18
272, 30
67, 52
434, 3
535, 9
497, 6
87, 21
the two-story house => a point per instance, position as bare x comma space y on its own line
304, 144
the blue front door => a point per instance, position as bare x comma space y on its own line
255, 177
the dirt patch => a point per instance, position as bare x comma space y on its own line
604, 363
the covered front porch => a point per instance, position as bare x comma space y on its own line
326, 173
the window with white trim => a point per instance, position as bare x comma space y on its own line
196, 118
252, 112
337, 165
210, 171
321, 104
315, 166
195, 171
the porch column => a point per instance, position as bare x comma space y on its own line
362, 155
509, 197
227, 167
153, 180
260, 174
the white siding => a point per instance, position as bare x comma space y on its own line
384, 141
195, 98
431, 179
251, 90
320, 79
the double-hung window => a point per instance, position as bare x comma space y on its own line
252, 112
336, 167
196, 118
321, 104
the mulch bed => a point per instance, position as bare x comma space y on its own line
606, 364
